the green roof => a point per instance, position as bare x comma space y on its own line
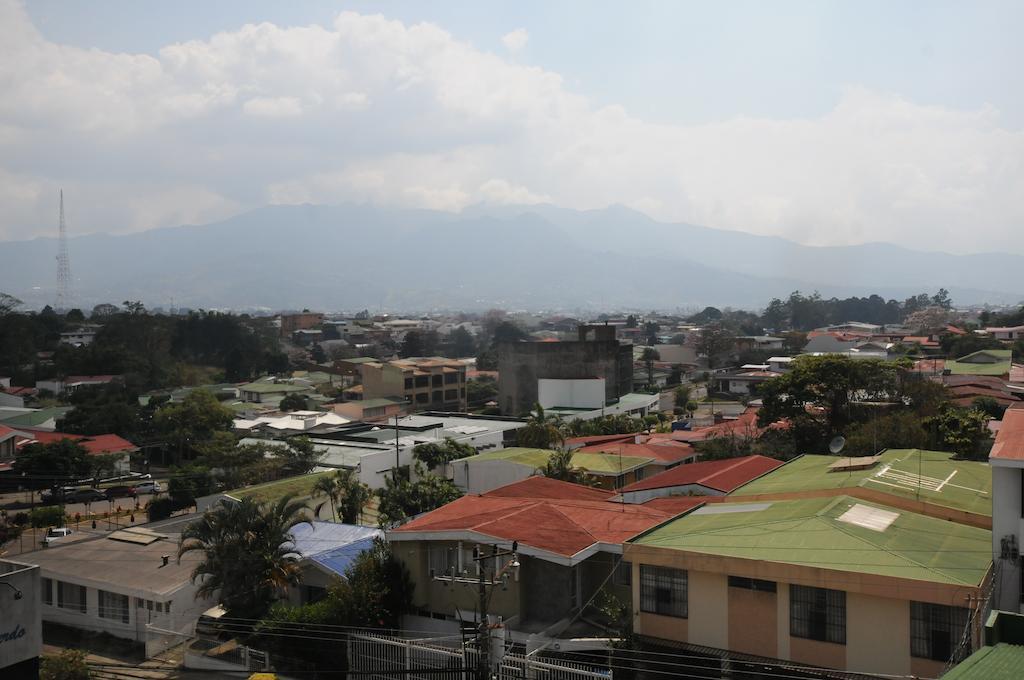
809, 533
265, 387
33, 418
960, 484
1001, 662
970, 364
595, 463
301, 487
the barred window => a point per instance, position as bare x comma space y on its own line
443, 560
113, 606
71, 596
817, 614
663, 591
623, 573
935, 630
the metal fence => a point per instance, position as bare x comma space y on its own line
448, 659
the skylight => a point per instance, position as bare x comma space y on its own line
868, 517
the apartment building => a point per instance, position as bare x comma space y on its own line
426, 383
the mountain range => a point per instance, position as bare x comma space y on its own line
349, 257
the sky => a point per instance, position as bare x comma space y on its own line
823, 122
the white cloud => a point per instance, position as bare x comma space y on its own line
516, 40
370, 109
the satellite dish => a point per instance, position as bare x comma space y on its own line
837, 444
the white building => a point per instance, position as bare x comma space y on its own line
1007, 461
120, 582
21, 628
1008, 333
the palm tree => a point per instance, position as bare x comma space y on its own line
559, 466
328, 486
540, 431
247, 553
353, 494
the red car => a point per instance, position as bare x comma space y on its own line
120, 492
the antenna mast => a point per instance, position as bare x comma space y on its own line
63, 263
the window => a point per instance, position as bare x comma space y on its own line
408, 383
443, 560
47, 585
422, 380
437, 380
436, 396
935, 630
422, 398
752, 584
450, 378
663, 591
817, 614
71, 596
113, 606
623, 575
451, 395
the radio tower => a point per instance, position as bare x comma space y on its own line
63, 263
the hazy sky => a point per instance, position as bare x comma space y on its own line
827, 123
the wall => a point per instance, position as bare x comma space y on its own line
583, 393
21, 633
522, 364
681, 490
481, 476
1007, 521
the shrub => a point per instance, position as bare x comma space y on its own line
159, 508
51, 516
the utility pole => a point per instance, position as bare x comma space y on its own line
397, 457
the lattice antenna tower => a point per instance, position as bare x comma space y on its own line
63, 263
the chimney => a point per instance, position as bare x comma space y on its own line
166, 559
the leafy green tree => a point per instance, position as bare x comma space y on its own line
189, 483
74, 316
8, 303
899, 430
481, 390
712, 341
346, 493
189, 425
55, 463
102, 410
990, 407
959, 430
299, 456
435, 455
401, 498
246, 549
461, 343
540, 431
293, 402
317, 354
682, 395
412, 345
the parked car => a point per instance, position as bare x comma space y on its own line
57, 494
84, 496
148, 487
120, 492
55, 534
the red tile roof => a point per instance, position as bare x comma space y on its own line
1009, 443
96, 445
544, 487
744, 425
955, 331
600, 439
563, 526
721, 475
662, 453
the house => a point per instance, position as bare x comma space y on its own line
73, 383
1007, 461
833, 582
326, 550
758, 342
1001, 657
21, 629
81, 336
779, 364
486, 471
995, 362
1006, 333
707, 478
372, 410
94, 445
744, 381
120, 582
569, 543
291, 422
271, 390
9, 437
35, 418
964, 389
290, 323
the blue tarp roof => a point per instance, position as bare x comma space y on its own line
332, 546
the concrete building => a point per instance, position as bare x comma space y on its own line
119, 582
828, 582
1007, 461
596, 354
81, 336
296, 322
21, 626
426, 383
1006, 333
708, 478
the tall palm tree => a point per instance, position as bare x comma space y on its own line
353, 495
247, 553
559, 466
328, 486
540, 431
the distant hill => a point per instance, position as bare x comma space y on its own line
355, 256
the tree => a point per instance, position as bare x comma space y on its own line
247, 558
928, 320
317, 354
346, 494
989, 406
74, 316
461, 343
816, 395
187, 484
559, 466
649, 356
188, 425
299, 455
412, 345
8, 303
959, 430
103, 310
109, 409
712, 341
481, 390
401, 498
293, 402
682, 395
55, 463
540, 431
435, 455
675, 375
70, 664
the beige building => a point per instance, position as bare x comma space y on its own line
426, 383
828, 582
